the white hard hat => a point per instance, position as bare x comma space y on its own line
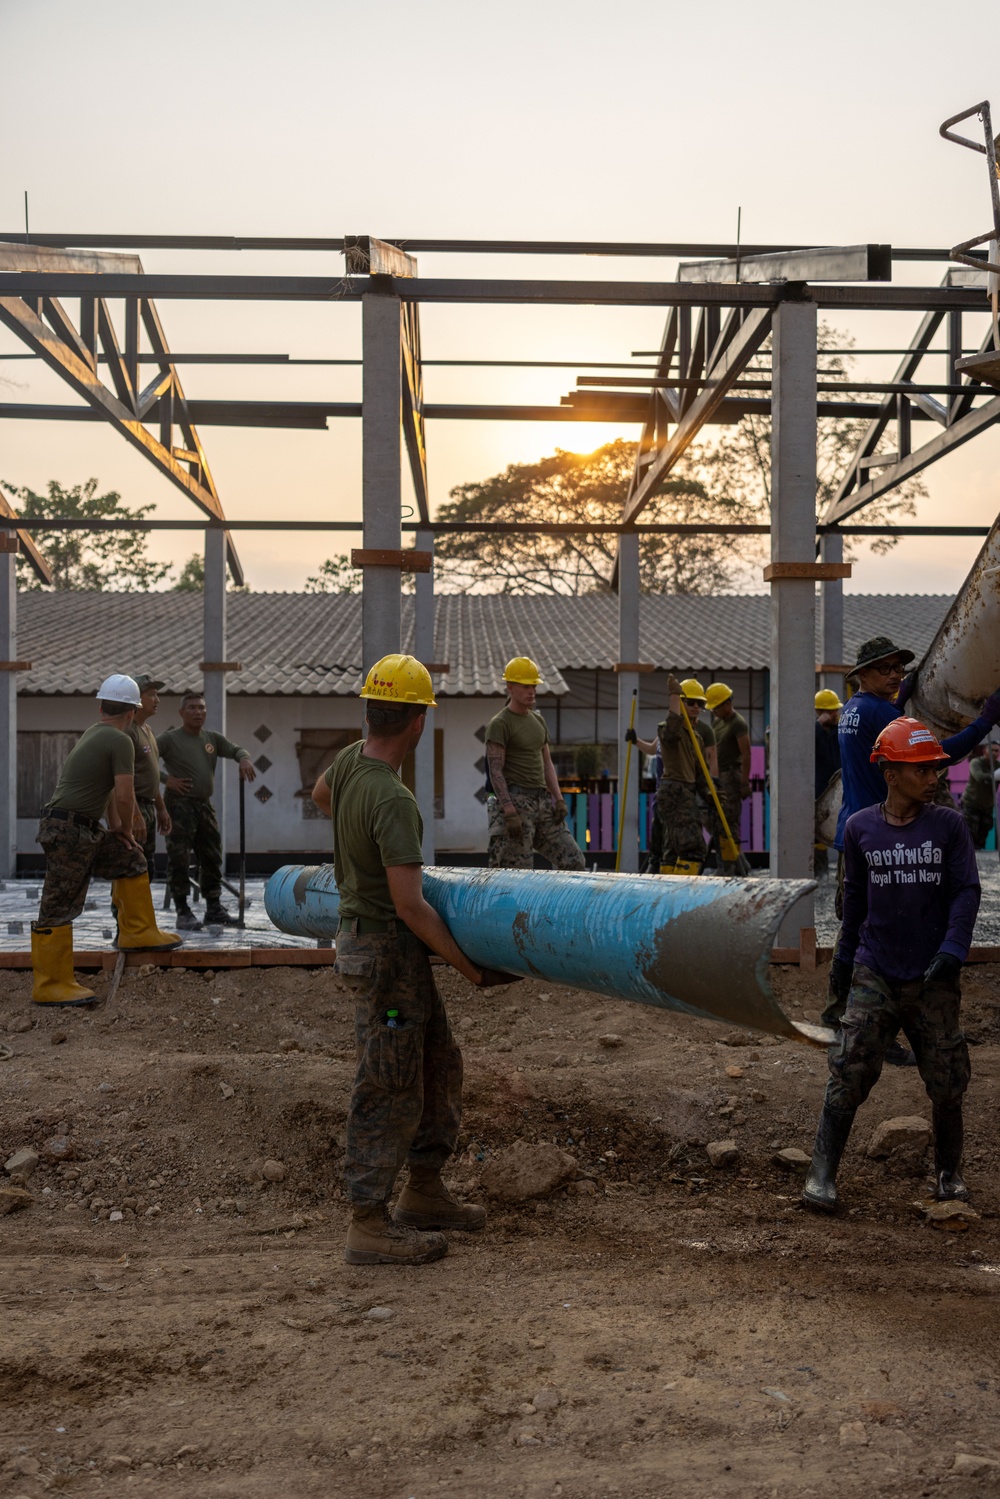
120, 689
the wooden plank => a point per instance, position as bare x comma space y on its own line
367, 256
292, 957
14, 665
819, 570
807, 949
408, 561
220, 665
636, 666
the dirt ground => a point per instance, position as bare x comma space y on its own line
658, 1328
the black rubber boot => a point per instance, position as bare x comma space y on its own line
217, 915
820, 1190
898, 1055
186, 920
949, 1136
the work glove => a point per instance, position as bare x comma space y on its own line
991, 708
841, 974
943, 968
673, 685
559, 810
630, 736
906, 687
513, 825
489, 978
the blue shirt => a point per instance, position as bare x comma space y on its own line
862, 720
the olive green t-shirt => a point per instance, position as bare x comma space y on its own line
88, 776
193, 757
376, 824
147, 762
679, 761
727, 732
522, 736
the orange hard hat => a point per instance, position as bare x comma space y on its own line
907, 741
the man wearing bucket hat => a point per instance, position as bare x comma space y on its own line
527, 813
148, 796
96, 781
911, 894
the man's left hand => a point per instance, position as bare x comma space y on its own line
164, 822
943, 968
247, 772
559, 810
126, 838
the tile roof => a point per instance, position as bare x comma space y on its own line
304, 644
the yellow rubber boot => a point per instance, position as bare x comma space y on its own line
690, 867
137, 929
668, 868
52, 966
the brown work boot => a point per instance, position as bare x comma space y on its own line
425, 1202
373, 1239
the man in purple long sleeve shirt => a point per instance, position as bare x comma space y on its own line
911, 894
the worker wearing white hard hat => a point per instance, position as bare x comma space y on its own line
96, 782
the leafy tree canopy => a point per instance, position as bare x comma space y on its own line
93, 560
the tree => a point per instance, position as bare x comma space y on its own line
336, 575
191, 578
88, 559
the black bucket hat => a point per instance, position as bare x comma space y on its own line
876, 650
145, 682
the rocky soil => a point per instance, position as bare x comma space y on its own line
177, 1317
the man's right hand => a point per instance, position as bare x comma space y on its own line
513, 825
841, 974
489, 978
630, 736
673, 686
180, 784
991, 708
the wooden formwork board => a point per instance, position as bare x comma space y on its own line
186, 957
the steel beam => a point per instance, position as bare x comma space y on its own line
37, 562
825, 263
793, 606
413, 404
423, 649
381, 493
831, 612
214, 600
628, 682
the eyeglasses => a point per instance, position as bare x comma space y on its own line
886, 668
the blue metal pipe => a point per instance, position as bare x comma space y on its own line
700, 946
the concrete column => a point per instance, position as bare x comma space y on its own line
831, 616
628, 682
793, 604
8, 713
214, 647
423, 649
381, 493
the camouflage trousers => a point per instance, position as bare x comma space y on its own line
195, 831
542, 833
407, 1099
147, 811
979, 823
74, 855
680, 817
876, 1008
730, 781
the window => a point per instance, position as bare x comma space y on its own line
41, 755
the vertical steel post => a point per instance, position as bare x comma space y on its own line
423, 649
831, 615
214, 646
8, 709
793, 604
628, 682
381, 493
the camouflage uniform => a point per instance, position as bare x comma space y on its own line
543, 833
730, 781
407, 1100
147, 811
876, 1008
195, 830
677, 805
76, 852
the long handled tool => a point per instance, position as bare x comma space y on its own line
624, 793
243, 854
728, 847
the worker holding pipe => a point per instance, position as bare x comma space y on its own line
880, 696
911, 894
406, 1105
681, 816
97, 781
732, 746
527, 812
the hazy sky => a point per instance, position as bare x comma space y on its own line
651, 121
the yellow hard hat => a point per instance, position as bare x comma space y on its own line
523, 671
716, 694
400, 679
692, 690
828, 700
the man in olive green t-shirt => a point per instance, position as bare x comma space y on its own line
527, 813
189, 756
732, 743
407, 1100
148, 796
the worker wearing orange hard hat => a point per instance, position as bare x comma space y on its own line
911, 894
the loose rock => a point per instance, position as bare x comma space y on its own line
611, 1040
791, 1159
58, 1148
18, 1025
13, 1199
909, 1131
273, 1171
523, 1171
953, 1217
57, 1038
853, 1434
145, 971
380, 1313
723, 1152
971, 1466
118, 1462
23, 1161
547, 1399
734, 1071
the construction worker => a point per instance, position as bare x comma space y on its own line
148, 795
96, 781
911, 894
732, 746
190, 755
828, 706
407, 1100
979, 797
681, 816
527, 813
880, 696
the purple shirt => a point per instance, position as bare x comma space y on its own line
909, 892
